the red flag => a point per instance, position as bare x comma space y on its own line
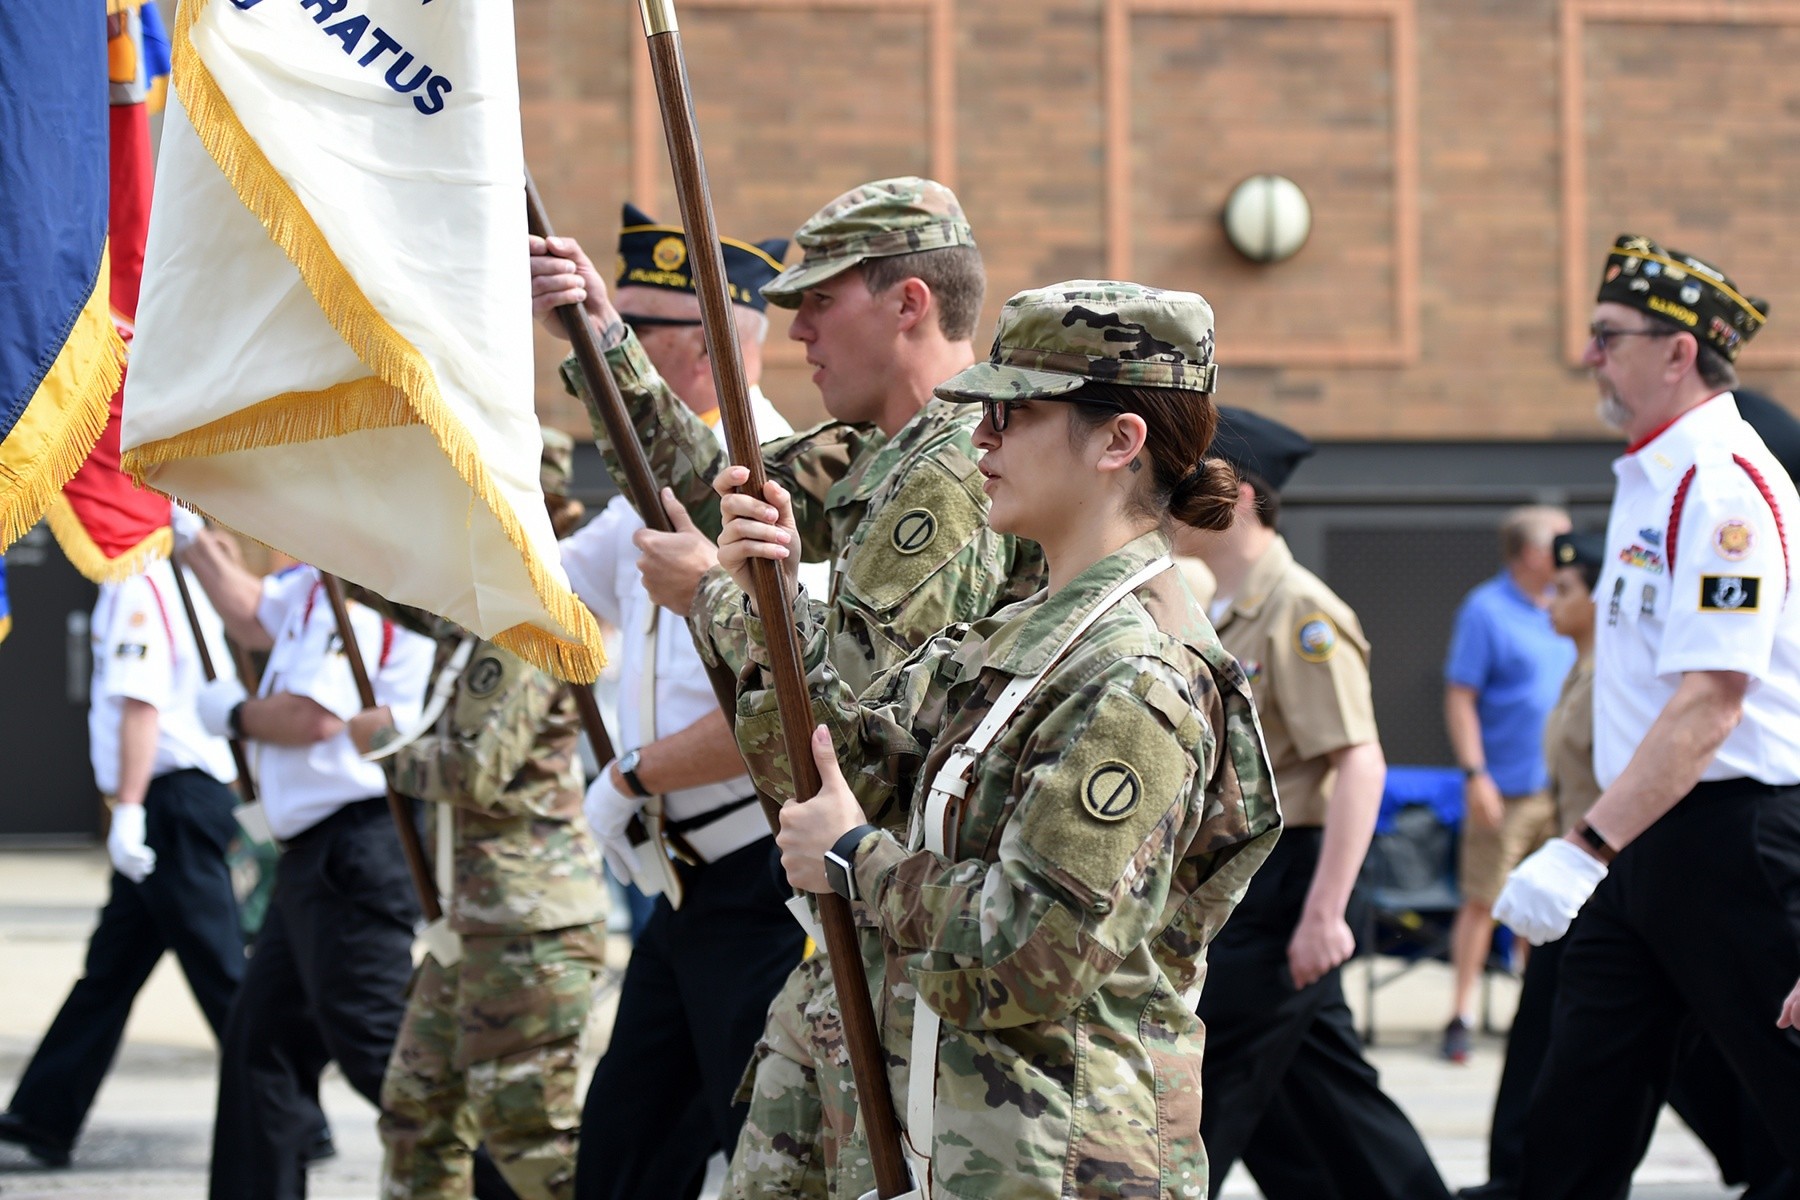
105, 523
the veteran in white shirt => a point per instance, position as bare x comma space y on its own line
719, 941
1685, 872
329, 970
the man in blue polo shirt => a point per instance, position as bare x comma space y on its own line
1501, 679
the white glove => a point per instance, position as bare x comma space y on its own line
215, 702
1543, 894
186, 526
608, 812
125, 844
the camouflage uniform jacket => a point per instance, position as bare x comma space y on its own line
902, 519
1105, 837
503, 754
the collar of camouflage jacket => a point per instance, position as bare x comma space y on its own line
1025, 643
879, 468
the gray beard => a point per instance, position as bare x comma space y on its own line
1613, 414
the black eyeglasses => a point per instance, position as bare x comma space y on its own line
1601, 334
996, 412
638, 324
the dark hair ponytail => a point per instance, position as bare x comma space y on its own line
1186, 485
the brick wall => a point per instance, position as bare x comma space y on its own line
1437, 295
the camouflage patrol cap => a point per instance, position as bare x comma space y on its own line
557, 467
1052, 340
877, 220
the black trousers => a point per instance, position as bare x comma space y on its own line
185, 905
326, 983
693, 1004
1290, 1059
1698, 918
1704, 1092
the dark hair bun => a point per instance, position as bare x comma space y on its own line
1206, 497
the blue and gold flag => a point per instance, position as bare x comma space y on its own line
60, 357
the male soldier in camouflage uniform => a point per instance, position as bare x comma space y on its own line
887, 297
488, 1053
1086, 781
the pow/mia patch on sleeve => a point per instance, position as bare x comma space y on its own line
485, 676
1730, 593
1733, 540
914, 531
1316, 638
131, 650
1112, 791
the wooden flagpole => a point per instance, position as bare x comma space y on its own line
861, 1035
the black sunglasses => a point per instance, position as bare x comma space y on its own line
636, 323
995, 412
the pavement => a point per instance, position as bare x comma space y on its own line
151, 1130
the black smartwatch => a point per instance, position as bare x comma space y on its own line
840, 862
628, 764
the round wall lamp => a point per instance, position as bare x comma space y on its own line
1267, 218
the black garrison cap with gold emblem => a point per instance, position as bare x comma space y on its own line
1688, 292
1579, 550
652, 255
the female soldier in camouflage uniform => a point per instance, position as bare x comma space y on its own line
1087, 784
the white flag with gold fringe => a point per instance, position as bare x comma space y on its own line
334, 348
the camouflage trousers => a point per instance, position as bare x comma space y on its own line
488, 1053
801, 1140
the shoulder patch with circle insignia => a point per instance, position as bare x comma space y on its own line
914, 531
485, 676
1316, 638
1112, 791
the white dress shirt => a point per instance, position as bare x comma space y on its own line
601, 562
144, 650
302, 785
1698, 577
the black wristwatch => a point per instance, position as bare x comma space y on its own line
1474, 772
234, 721
840, 862
628, 764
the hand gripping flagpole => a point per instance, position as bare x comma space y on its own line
861, 1036
246, 785
398, 808
640, 481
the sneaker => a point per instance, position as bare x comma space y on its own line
42, 1145
1458, 1041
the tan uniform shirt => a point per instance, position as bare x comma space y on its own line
1308, 663
1569, 746
1199, 578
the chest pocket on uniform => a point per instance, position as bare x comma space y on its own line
933, 516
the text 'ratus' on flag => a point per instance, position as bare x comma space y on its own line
334, 348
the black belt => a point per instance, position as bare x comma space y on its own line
701, 820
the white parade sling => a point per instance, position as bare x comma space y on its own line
930, 832
334, 347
